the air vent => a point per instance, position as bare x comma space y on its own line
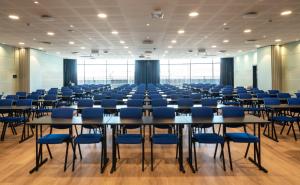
95, 51
45, 42
201, 50
148, 52
75, 52
222, 51
141, 56
250, 41
250, 15
147, 41
157, 14
46, 17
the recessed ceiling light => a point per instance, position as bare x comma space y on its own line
36, 2
226, 41
147, 24
125, 47
71, 26
180, 31
41, 48
50, 33
34, 39
21, 43
102, 15
224, 24
148, 37
287, 12
174, 41
58, 52
170, 47
213, 46
257, 45
14, 17
114, 32
193, 14
264, 36
278, 40
71, 42
247, 31
82, 47
122, 41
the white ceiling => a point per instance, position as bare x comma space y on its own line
129, 18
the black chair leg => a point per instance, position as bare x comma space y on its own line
102, 162
216, 148
49, 151
66, 157
118, 150
223, 156
247, 150
74, 154
229, 154
195, 156
293, 129
151, 156
282, 128
80, 154
177, 149
143, 155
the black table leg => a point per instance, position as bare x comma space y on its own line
25, 134
105, 149
181, 150
190, 157
113, 168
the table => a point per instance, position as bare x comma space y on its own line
76, 120
248, 119
24, 110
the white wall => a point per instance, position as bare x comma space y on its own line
9, 65
243, 74
290, 67
46, 70
264, 68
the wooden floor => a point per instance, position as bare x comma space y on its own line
281, 159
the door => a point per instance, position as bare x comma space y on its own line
254, 70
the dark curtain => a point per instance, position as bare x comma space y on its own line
70, 71
147, 71
227, 74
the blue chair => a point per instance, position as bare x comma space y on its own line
98, 98
273, 92
280, 118
156, 96
184, 105
238, 137
262, 95
159, 102
67, 96
109, 106
135, 103
138, 96
128, 138
7, 120
297, 95
21, 94
209, 102
85, 103
90, 138
12, 97
207, 138
58, 113
163, 139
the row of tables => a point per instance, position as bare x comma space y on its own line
178, 121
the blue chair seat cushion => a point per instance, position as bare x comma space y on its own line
41, 110
88, 138
284, 119
129, 139
165, 139
253, 109
231, 103
242, 137
54, 138
13, 119
208, 138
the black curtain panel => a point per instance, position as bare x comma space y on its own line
146, 72
70, 71
227, 73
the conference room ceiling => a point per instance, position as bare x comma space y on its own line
218, 20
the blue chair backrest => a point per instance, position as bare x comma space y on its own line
21, 94
131, 112
92, 113
163, 112
8, 102
50, 97
233, 112
67, 93
85, 103
241, 91
298, 95
24, 102
159, 102
273, 91
245, 96
62, 113
109, 103
185, 102
137, 96
99, 97
262, 95
196, 96
155, 96
283, 95
271, 101
209, 102
202, 112
12, 97
117, 96
293, 101
135, 103
33, 96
